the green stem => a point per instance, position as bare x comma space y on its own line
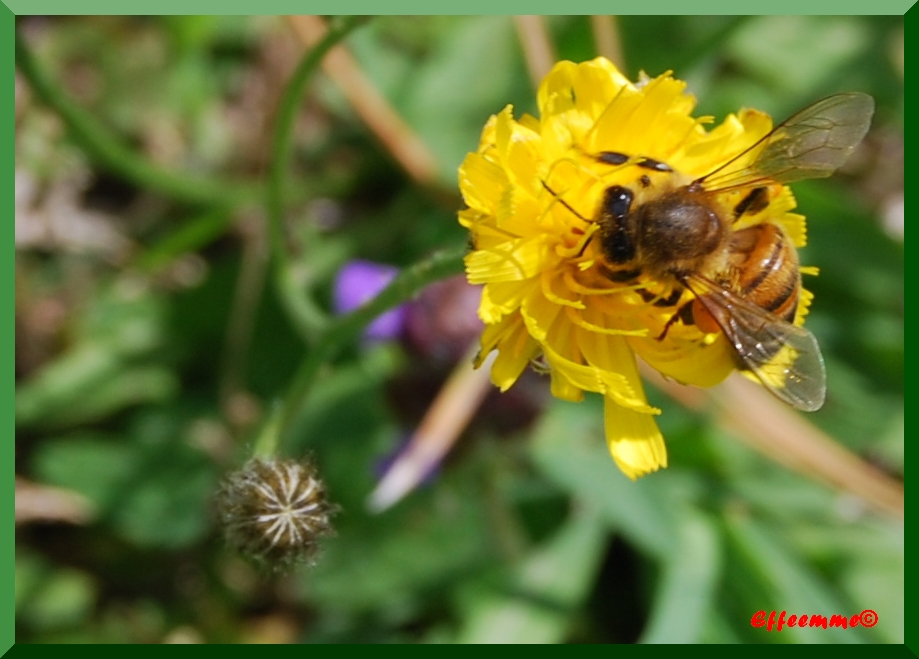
346, 329
266, 445
191, 235
304, 316
103, 147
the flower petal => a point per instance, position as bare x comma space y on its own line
482, 183
520, 152
612, 357
698, 363
501, 298
515, 353
634, 440
515, 260
652, 121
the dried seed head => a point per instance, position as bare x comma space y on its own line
275, 512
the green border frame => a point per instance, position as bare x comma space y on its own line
878, 7
7, 26
8, 546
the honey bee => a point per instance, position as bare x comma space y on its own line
745, 282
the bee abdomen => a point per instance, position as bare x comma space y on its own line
769, 275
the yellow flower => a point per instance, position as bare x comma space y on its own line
533, 189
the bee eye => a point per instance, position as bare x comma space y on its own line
617, 239
617, 201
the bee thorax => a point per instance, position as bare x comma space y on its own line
678, 231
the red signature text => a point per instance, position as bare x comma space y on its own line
866, 618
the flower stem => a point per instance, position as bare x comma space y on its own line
111, 154
346, 329
305, 317
266, 445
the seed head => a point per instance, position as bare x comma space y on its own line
275, 512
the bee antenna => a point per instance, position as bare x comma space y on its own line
564, 203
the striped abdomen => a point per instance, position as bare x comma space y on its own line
766, 264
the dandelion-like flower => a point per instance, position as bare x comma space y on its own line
556, 289
275, 511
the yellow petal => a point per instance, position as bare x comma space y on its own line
614, 359
501, 298
701, 364
470, 218
494, 333
487, 140
512, 261
562, 388
805, 298
515, 352
482, 183
529, 121
555, 94
539, 314
634, 440
520, 153
595, 84
651, 122
518, 213
733, 136
585, 378
796, 228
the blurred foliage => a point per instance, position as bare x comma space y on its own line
149, 349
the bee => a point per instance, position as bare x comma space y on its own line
743, 281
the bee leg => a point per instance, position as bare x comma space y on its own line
684, 313
670, 300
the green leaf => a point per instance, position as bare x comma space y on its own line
683, 601
103, 371
537, 598
88, 463
390, 563
87, 385
153, 494
169, 505
50, 598
569, 448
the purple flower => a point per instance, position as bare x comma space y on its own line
359, 281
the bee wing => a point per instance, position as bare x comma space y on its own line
784, 357
811, 144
